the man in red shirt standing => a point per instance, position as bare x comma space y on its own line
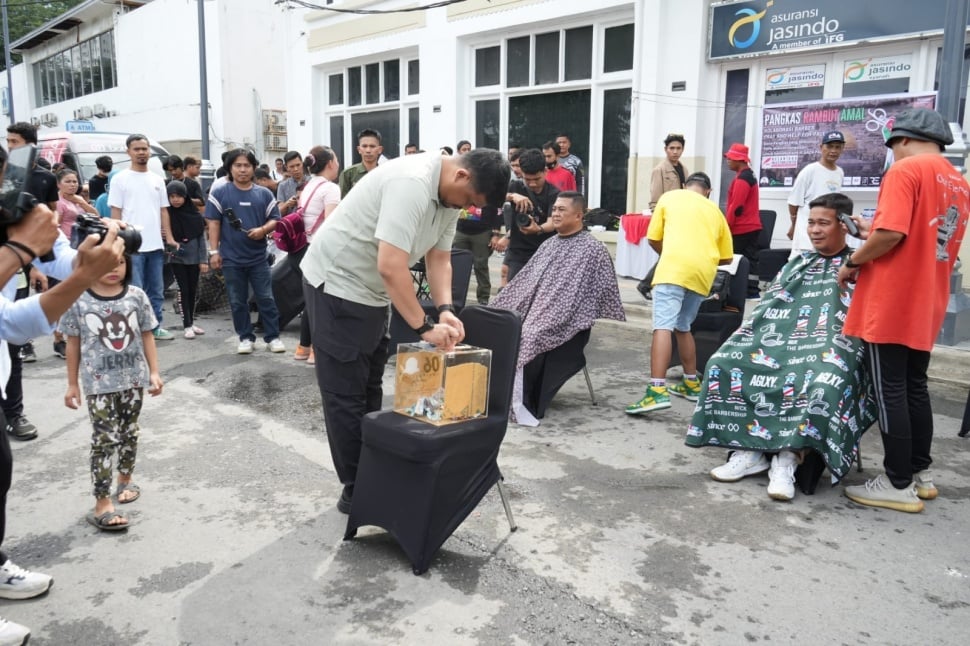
556, 174
903, 284
742, 213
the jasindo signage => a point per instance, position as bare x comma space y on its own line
754, 27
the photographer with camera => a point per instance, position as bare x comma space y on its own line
532, 198
26, 235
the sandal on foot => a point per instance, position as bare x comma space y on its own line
103, 522
127, 487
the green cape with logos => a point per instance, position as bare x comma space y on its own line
788, 378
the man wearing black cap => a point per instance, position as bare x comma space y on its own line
818, 178
903, 282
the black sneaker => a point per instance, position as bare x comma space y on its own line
60, 349
20, 428
346, 497
27, 354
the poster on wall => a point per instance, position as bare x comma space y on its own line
792, 133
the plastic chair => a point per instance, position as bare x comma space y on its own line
419, 481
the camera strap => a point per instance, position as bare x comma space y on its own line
16, 248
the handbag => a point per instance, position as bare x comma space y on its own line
290, 234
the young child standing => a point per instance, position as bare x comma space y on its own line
111, 347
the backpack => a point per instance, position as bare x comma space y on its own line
290, 232
601, 217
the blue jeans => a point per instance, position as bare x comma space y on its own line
238, 282
146, 273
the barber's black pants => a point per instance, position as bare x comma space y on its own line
13, 403
746, 244
350, 343
905, 415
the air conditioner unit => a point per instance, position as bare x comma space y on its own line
48, 119
274, 121
99, 110
84, 112
35, 122
111, 113
276, 142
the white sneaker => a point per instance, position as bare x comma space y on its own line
781, 476
198, 331
12, 634
245, 347
189, 333
276, 345
740, 465
925, 488
18, 583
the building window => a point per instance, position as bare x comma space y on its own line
488, 66
85, 68
372, 99
508, 110
618, 50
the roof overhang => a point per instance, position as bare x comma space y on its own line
69, 20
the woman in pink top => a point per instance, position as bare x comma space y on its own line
69, 202
318, 199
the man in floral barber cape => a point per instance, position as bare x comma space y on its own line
788, 388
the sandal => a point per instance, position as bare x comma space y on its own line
103, 522
127, 487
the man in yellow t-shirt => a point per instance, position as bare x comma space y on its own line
692, 237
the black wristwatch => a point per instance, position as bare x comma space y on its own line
850, 264
447, 307
425, 327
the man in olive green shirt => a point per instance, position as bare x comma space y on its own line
359, 262
369, 148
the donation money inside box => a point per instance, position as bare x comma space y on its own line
441, 387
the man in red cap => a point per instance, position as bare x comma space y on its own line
742, 209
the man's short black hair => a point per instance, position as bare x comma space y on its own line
279, 159
232, 155
674, 137
261, 173
369, 132
133, 138
291, 155
532, 161
490, 173
174, 161
551, 145
26, 130
410, 145
838, 202
699, 178
191, 161
514, 155
104, 163
575, 197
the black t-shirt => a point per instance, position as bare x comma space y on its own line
521, 246
42, 184
96, 186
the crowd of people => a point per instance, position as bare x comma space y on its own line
826, 352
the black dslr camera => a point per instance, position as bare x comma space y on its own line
15, 203
87, 224
234, 221
520, 219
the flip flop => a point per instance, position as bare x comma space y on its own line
128, 487
103, 522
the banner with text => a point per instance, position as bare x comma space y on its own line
792, 133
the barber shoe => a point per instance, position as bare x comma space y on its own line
925, 488
781, 476
346, 497
656, 398
27, 354
689, 389
880, 492
741, 464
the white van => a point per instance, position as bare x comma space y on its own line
78, 150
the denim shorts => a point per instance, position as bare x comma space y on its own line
674, 307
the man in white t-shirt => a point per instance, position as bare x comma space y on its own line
818, 178
138, 197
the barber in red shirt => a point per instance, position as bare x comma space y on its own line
742, 213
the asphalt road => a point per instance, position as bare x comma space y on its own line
623, 537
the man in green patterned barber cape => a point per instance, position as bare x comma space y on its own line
788, 382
